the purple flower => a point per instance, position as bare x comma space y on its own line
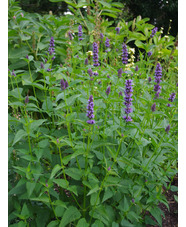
120, 93
167, 129
158, 75
27, 56
95, 54
117, 30
117, 50
169, 105
57, 140
149, 79
125, 54
153, 107
149, 53
13, 73
64, 84
107, 44
99, 82
108, 90
42, 65
154, 30
108, 76
133, 201
137, 68
109, 168
172, 97
90, 73
128, 99
46, 60
90, 111
120, 71
26, 99
96, 74
80, 33
70, 35
101, 35
49, 70
51, 49
86, 61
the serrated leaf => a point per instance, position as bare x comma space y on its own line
70, 215
30, 187
19, 135
156, 214
107, 195
82, 223
61, 182
74, 173
55, 170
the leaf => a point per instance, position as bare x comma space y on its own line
126, 223
19, 135
56, 0
61, 182
55, 170
70, 215
72, 99
82, 223
53, 224
42, 198
35, 124
156, 214
105, 4
74, 173
30, 187
109, 14
98, 223
107, 195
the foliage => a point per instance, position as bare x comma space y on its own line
62, 170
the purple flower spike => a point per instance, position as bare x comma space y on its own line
13, 73
86, 61
108, 90
64, 84
117, 30
149, 53
125, 54
154, 30
133, 201
149, 79
51, 49
109, 168
128, 99
95, 54
167, 129
101, 35
120, 71
158, 75
137, 68
70, 35
169, 105
153, 107
90, 111
26, 99
80, 33
108, 76
42, 65
27, 56
107, 44
99, 82
49, 70
172, 97
120, 93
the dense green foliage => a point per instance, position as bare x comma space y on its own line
64, 171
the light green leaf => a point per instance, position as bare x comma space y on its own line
55, 170
61, 182
82, 223
30, 187
105, 4
74, 173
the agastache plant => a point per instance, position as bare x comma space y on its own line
90, 111
117, 30
158, 75
128, 100
64, 84
95, 54
171, 99
107, 44
125, 54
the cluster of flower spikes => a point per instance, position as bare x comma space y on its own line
154, 30
80, 33
95, 54
125, 54
64, 84
158, 75
171, 99
51, 48
128, 99
90, 111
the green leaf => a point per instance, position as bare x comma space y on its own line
107, 195
25, 212
98, 223
61, 182
82, 223
126, 223
74, 173
30, 187
156, 214
35, 124
53, 224
71, 99
105, 4
70, 215
55, 170
19, 135
109, 14
56, 0
42, 198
